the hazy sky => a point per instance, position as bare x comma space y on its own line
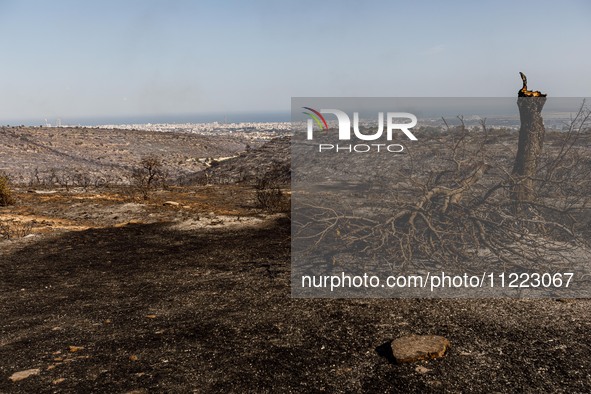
116, 58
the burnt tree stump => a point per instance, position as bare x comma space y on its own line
531, 141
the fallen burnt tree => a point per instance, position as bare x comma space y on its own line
462, 211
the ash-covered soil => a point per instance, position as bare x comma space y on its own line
131, 302
272, 159
189, 291
34, 154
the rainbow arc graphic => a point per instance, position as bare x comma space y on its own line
317, 117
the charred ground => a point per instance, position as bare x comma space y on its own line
112, 294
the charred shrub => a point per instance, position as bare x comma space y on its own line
269, 195
149, 175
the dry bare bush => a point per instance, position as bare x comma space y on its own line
269, 195
12, 229
271, 199
149, 175
72, 178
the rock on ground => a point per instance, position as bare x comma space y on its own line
413, 348
20, 375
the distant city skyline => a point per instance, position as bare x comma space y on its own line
89, 60
157, 119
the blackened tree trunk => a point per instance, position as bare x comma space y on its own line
531, 141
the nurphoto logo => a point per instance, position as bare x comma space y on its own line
344, 130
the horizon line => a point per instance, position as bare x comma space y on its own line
225, 117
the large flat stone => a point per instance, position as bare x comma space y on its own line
413, 348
